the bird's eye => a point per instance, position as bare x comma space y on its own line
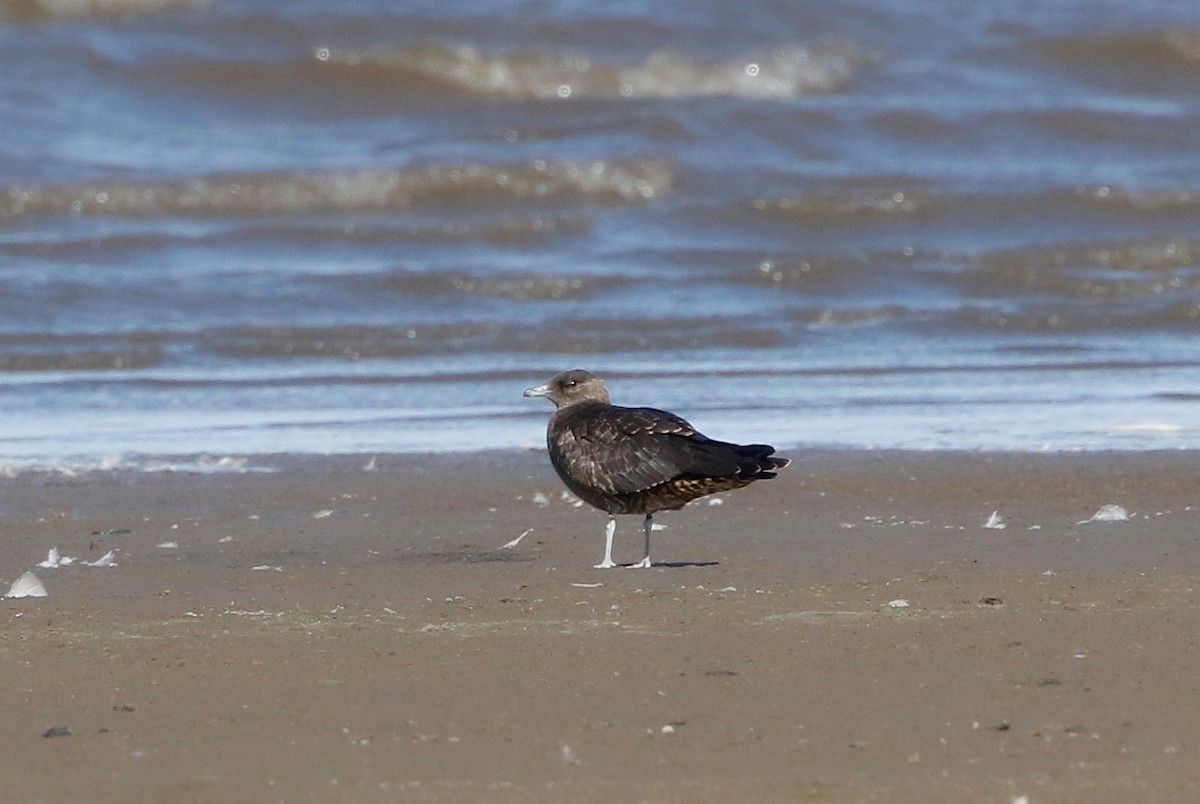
569, 384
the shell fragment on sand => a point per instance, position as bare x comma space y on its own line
28, 585
109, 559
1108, 513
510, 544
55, 559
569, 757
995, 522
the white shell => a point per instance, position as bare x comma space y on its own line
28, 585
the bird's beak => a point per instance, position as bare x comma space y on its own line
538, 390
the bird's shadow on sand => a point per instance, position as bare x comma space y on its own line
685, 564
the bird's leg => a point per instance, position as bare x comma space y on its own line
609, 530
645, 562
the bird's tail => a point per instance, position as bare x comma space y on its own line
759, 461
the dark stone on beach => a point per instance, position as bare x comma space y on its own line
639, 460
57, 731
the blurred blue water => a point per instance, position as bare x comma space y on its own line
242, 227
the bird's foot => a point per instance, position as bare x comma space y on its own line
643, 564
607, 563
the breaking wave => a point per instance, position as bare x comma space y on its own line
522, 286
285, 192
576, 336
779, 73
833, 205
1171, 49
1150, 201
917, 202
199, 464
91, 360
35, 10
1176, 316
1155, 268
804, 271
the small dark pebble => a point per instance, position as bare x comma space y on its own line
720, 672
123, 708
57, 731
1049, 682
1002, 726
991, 601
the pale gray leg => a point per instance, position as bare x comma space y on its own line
609, 530
645, 562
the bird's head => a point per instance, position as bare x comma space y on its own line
571, 388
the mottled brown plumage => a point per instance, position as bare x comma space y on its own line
639, 460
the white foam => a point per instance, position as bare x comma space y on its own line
72, 467
1150, 427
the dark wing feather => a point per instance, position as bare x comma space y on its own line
618, 450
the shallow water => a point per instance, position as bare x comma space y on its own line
246, 227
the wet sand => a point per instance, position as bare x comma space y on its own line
325, 633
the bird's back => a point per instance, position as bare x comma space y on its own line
641, 460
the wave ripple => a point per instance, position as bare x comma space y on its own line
381, 188
780, 73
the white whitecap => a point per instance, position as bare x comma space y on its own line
1150, 427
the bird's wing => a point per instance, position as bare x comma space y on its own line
625, 450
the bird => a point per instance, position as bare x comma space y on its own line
638, 460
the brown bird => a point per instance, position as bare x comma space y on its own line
638, 460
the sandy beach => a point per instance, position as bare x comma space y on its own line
348, 629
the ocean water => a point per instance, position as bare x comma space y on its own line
239, 226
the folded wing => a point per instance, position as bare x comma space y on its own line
628, 450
